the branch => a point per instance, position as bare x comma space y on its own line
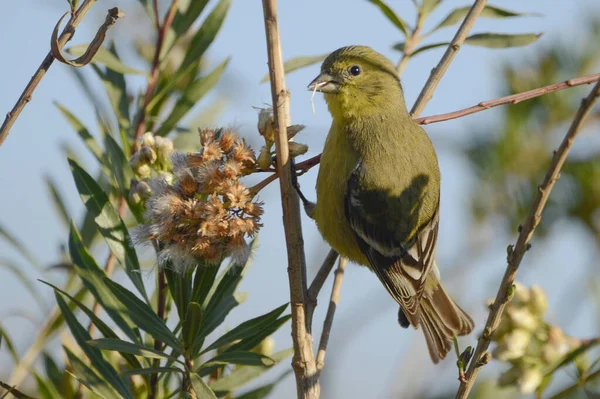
512, 99
307, 382
516, 253
317, 284
14, 392
25, 97
411, 43
308, 164
335, 298
451, 51
153, 79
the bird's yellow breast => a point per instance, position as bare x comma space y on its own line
337, 163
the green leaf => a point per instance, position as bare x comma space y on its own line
191, 324
151, 370
245, 374
180, 286
54, 376
7, 342
238, 357
57, 200
265, 390
89, 378
19, 247
429, 47
114, 344
201, 388
143, 315
106, 58
251, 341
187, 13
391, 15
500, 40
191, 95
298, 62
458, 14
205, 35
428, 6
203, 281
109, 224
45, 388
80, 334
100, 325
247, 329
216, 316
93, 278
88, 140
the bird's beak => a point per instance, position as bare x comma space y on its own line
325, 83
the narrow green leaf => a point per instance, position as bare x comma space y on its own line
55, 378
102, 327
191, 324
216, 317
238, 357
245, 374
391, 15
93, 278
190, 97
19, 247
45, 388
89, 378
429, 47
297, 63
203, 281
265, 390
187, 13
201, 388
57, 200
180, 286
109, 224
80, 334
247, 329
106, 58
114, 344
206, 34
151, 370
500, 40
7, 342
458, 14
428, 6
83, 132
116, 89
143, 315
251, 341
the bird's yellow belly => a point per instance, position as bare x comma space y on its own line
329, 213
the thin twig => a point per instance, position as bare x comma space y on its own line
153, 79
512, 99
308, 164
303, 362
317, 284
515, 254
567, 392
160, 311
411, 43
451, 51
14, 392
335, 298
27, 94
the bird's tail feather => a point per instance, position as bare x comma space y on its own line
442, 319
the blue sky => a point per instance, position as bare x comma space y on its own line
368, 353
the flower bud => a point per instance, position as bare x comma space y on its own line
297, 149
143, 171
538, 303
514, 346
265, 124
264, 159
531, 379
522, 318
147, 140
164, 151
521, 293
147, 155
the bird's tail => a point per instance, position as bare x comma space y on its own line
442, 319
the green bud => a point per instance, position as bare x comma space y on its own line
297, 149
147, 155
264, 159
143, 171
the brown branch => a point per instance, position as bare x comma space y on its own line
512, 99
14, 392
451, 51
317, 284
516, 253
140, 127
308, 164
335, 298
411, 43
303, 362
27, 94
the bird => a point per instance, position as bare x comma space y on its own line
378, 191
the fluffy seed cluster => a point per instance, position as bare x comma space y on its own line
529, 344
205, 211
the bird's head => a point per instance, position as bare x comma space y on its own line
358, 80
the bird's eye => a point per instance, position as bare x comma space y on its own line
354, 70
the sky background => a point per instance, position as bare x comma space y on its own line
369, 355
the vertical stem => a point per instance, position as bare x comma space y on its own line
303, 362
160, 311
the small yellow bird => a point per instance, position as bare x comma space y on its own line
378, 191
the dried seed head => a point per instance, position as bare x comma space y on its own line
227, 140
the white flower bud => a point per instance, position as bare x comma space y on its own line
531, 379
147, 140
265, 124
514, 346
521, 293
538, 302
522, 318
